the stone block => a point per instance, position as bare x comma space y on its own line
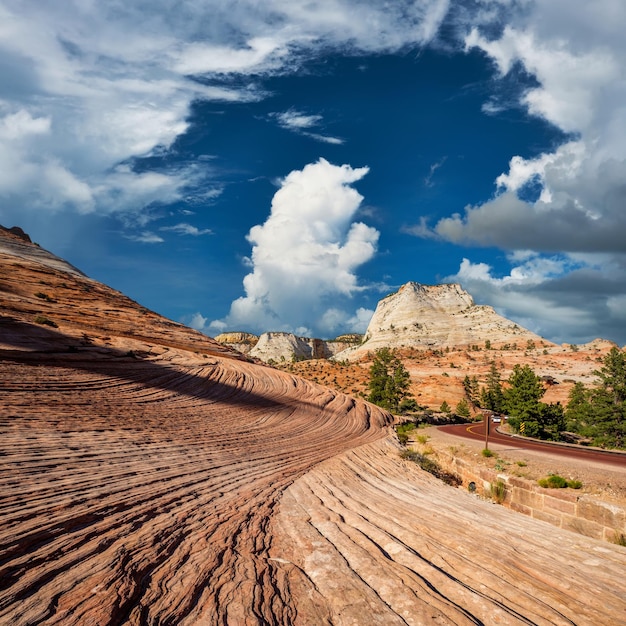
555, 520
550, 503
520, 508
515, 481
603, 513
583, 527
528, 498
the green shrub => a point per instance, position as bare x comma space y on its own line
44, 296
42, 319
403, 430
432, 467
554, 481
488, 453
498, 491
619, 539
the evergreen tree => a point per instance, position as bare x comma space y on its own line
389, 381
522, 400
471, 387
608, 401
445, 407
492, 396
462, 408
579, 410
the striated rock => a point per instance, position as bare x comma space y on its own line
435, 316
17, 232
281, 347
150, 475
243, 342
141, 462
596, 344
287, 347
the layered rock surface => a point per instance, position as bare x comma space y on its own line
436, 316
281, 347
148, 475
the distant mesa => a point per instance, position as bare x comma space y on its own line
280, 347
415, 316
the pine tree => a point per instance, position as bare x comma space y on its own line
579, 410
462, 408
471, 387
445, 407
522, 400
389, 381
492, 396
608, 401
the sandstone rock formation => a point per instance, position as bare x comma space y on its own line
281, 347
149, 475
435, 316
242, 342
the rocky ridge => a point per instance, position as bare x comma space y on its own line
150, 475
416, 316
436, 316
282, 347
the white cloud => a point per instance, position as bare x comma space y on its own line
196, 321
187, 229
577, 53
428, 180
299, 122
360, 320
578, 57
294, 120
306, 253
559, 298
88, 86
146, 237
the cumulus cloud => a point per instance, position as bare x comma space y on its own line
88, 87
578, 58
196, 321
577, 54
558, 297
305, 255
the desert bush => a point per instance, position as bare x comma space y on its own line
619, 539
42, 319
497, 491
432, 467
554, 481
403, 430
44, 296
487, 453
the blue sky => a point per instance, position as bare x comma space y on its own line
284, 165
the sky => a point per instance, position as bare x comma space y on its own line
282, 166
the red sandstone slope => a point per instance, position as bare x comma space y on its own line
140, 461
149, 477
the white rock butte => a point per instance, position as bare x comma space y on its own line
436, 316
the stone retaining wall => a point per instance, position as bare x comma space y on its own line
565, 508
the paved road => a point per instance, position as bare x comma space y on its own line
477, 432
